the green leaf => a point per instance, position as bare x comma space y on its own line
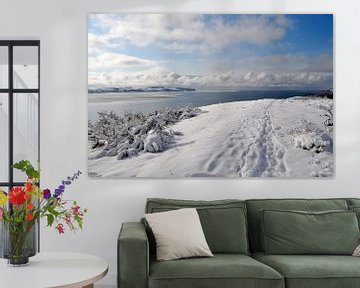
50, 219
52, 211
79, 221
26, 167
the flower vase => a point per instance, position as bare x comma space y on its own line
18, 242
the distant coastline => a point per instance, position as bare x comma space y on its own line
146, 102
323, 93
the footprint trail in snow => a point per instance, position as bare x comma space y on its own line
251, 149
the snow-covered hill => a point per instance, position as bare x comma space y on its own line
263, 138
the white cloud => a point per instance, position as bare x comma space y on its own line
199, 34
191, 32
258, 30
117, 61
275, 63
94, 39
229, 80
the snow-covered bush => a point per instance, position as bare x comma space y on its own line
313, 141
325, 171
328, 113
128, 135
154, 143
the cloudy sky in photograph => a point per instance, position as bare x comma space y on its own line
225, 51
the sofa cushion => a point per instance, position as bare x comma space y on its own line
357, 251
178, 234
222, 270
356, 209
353, 201
255, 206
354, 205
297, 232
223, 221
313, 271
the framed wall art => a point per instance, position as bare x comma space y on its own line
210, 95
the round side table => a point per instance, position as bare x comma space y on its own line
50, 270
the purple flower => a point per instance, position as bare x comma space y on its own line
46, 194
58, 192
68, 181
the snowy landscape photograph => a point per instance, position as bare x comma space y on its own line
210, 95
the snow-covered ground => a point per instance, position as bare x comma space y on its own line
262, 138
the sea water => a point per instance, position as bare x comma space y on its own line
145, 102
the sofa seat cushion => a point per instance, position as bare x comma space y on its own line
222, 270
313, 271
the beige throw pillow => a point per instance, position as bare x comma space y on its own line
357, 251
178, 234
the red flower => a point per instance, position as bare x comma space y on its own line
29, 186
68, 219
17, 196
75, 209
27, 196
29, 206
29, 217
60, 228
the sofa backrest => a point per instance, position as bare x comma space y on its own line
354, 205
353, 202
223, 221
256, 205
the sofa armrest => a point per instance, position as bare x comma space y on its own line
133, 256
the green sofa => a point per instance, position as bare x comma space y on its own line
233, 230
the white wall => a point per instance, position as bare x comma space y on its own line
62, 28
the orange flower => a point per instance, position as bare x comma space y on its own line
27, 196
29, 217
29, 206
29, 186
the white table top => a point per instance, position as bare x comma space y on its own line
54, 270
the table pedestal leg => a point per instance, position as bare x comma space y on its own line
89, 286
